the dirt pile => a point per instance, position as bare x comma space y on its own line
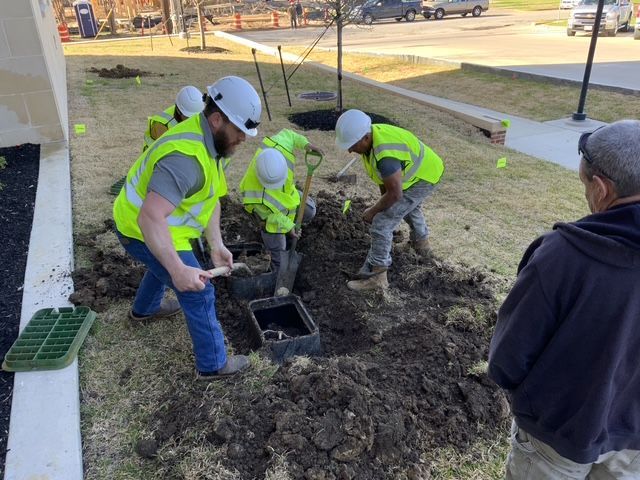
401, 372
119, 71
197, 49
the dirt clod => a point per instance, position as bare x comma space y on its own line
147, 448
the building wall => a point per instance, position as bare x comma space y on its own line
33, 89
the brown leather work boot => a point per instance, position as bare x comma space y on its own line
378, 279
422, 246
168, 308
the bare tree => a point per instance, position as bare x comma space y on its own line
342, 13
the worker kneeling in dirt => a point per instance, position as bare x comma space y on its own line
269, 192
171, 196
406, 171
189, 102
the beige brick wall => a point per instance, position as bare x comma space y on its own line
33, 91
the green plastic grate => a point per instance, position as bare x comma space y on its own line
116, 187
50, 340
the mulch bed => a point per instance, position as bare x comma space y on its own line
326, 119
18, 183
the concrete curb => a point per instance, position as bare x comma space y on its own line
44, 435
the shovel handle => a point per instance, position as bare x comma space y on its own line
220, 271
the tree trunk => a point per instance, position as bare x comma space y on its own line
112, 17
339, 35
166, 17
203, 43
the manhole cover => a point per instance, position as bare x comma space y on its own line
318, 96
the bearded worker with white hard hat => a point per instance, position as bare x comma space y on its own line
406, 170
171, 196
189, 102
269, 192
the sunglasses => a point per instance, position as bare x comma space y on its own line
582, 145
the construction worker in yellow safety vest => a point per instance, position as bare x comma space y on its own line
406, 170
189, 102
269, 192
171, 195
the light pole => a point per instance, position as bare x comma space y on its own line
580, 115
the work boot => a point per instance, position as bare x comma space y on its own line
235, 364
421, 247
378, 279
364, 272
168, 308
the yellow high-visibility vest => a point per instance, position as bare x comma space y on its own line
418, 161
191, 217
166, 118
276, 207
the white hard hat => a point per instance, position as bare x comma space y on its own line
239, 101
272, 169
189, 101
351, 127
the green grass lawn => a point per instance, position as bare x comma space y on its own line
526, 5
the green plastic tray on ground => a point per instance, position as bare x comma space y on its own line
116, 187
50, 340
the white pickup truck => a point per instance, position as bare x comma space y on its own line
616, 15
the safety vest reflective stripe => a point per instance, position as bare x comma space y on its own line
265, 197
401, 147
188, 219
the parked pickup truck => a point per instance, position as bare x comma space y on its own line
616, 15
378, 9
440, 8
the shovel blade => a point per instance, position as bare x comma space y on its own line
288, 270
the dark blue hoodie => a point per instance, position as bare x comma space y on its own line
567, 341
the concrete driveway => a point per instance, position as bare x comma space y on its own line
499, 38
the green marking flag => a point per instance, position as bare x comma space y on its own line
346, 207
506, 123
502, 163
80, 128
89, 82
138, 81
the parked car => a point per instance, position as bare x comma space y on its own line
568, 4
636, 33
616, 15
439, 8
378, 9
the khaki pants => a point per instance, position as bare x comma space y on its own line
531, 459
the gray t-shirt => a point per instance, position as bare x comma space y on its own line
177, 176
388, 166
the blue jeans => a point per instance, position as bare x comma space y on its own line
199, 307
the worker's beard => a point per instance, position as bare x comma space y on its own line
223, 144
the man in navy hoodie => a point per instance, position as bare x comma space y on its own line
567, 342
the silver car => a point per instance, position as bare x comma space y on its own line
616, 15
439, 8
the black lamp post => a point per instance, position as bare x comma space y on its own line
580, 115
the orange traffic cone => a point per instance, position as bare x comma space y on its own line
274, 18
63, 31
238, 22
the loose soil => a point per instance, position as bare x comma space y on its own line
326, 119
398, 377
18, 185
120, 71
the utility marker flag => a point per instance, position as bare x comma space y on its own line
506, 123
502, 162
138, 80
346, 207
80, 128
89, 82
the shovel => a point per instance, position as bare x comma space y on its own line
290, 262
